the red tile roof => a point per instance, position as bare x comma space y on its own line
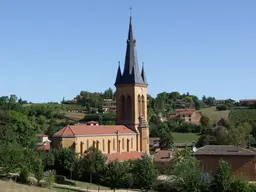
163, 156
132, 155
186, 112
45, 147
248, 100
83, 129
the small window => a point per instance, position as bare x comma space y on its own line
131, 142
189, 115
123, 143
114, 144
103, 145
87, 144
189, 119
183, 115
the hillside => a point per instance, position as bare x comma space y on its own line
243, 115
215, 115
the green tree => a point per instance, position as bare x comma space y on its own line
206, 140
222, 178
4, 100
166, 139
92, 162
48, 160
221, 107
204, 121
65, 160
108, 94
145, 173
24, 131
11, 158
192, 180
50, 179
38, 170
189, 99
115, 175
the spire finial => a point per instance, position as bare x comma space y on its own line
118, 63
142, 63
130, 11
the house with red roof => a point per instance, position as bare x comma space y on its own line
189, 115
43, 142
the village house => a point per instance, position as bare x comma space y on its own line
43, 142
107, 109
241, 160
129, 139
187, 114
247, 101
163, 159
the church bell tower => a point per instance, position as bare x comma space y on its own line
131, 94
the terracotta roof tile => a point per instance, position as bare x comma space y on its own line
223, 150
124, 156
163, 156
186, 112
248, 100
45, 147
83, 129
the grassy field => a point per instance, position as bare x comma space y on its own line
243, 115
214, 115
74, 115
86, 185
6, 186
185, 137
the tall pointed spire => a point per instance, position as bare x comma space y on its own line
143, 74
131, 73
118, 75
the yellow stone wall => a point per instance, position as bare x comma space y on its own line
134, 91
79, 144
144, 140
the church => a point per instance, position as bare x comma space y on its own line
129, 138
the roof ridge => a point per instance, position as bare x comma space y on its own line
71, 129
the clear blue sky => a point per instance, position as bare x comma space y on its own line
50, 49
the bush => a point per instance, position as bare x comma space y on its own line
239, 186
23, 178
221, 107
60, 178
252, 187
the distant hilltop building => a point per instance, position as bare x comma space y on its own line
129, 139
247, 101
187, 114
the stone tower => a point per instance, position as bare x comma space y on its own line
131, 95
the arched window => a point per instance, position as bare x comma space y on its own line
81, 148
114, 144
103, 145
123, 143
131, 143
139, 108
143, 105
122, 106
87, 144
129, 107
